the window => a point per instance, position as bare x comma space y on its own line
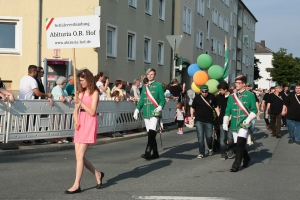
111, 41
208, 4
235, 7
207, 29
10, 35
206, 51
132, 3
199, 39
234, 31
147, 50
233, 76
187, 14
226, 24
214, 43
233, 54
131, 45
221, 21
160, 56
201, 5
230, 41
220, 48
148, 7
215, 16
161, 10
231, 19
244, 58
227, 3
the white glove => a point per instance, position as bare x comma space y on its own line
159, 108
250, 117
225, 123
135, 114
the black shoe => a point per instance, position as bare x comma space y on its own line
73, 192
297, 143
98, 186
27, 142
291, 141
235, 168
146, 156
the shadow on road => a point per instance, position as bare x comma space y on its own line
176, 151
138, 172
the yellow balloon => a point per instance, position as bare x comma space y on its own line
195, 88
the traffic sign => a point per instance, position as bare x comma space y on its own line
174, 40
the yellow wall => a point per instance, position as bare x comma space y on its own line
14, 67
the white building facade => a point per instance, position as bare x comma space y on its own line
265, 56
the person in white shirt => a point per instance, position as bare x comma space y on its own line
135, 91
102, 87
29, 87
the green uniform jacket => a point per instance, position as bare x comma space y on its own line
157, 92
237, 114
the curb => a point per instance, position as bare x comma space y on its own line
62, 147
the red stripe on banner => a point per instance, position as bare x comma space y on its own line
49, 24
151, 97
239, 104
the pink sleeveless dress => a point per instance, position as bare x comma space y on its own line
87, 132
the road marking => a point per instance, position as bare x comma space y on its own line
179, 198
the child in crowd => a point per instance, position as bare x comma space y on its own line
180, 117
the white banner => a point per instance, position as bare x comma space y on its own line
73, 32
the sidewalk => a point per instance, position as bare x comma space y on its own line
101, 139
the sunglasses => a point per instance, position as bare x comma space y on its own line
248, 85
204, 91
41, 71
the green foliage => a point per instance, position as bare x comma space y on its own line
285, 68
256, 69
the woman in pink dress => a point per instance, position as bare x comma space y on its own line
86, 124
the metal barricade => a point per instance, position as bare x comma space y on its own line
3, 109
37, 119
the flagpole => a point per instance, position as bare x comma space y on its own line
225, 76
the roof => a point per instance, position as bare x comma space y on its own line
259, 48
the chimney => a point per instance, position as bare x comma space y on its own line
263, 43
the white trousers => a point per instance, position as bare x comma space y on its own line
241, 133
151, 123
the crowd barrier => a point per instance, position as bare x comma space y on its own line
37, 119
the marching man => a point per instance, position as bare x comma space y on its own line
152, 101
242, 108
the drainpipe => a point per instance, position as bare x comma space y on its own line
39, 35
173, 14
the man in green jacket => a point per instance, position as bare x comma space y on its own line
241, 106
152, 101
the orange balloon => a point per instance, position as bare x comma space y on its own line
200, 78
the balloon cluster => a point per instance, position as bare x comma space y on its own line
204, 73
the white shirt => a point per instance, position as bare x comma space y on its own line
57, 91
27, 84
103, 95
179, 114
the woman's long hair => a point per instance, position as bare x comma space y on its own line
89, 77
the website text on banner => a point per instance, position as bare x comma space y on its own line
73, 32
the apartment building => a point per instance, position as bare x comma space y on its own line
204, 25
132, 39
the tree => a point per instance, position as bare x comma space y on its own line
256, 69
285, 68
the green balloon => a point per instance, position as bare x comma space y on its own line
212, 85
204, 61
215, 72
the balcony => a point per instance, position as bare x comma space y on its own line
238, 65
240, 22
239, 46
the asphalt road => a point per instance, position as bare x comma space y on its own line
273, 173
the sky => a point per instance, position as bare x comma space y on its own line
278, 23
